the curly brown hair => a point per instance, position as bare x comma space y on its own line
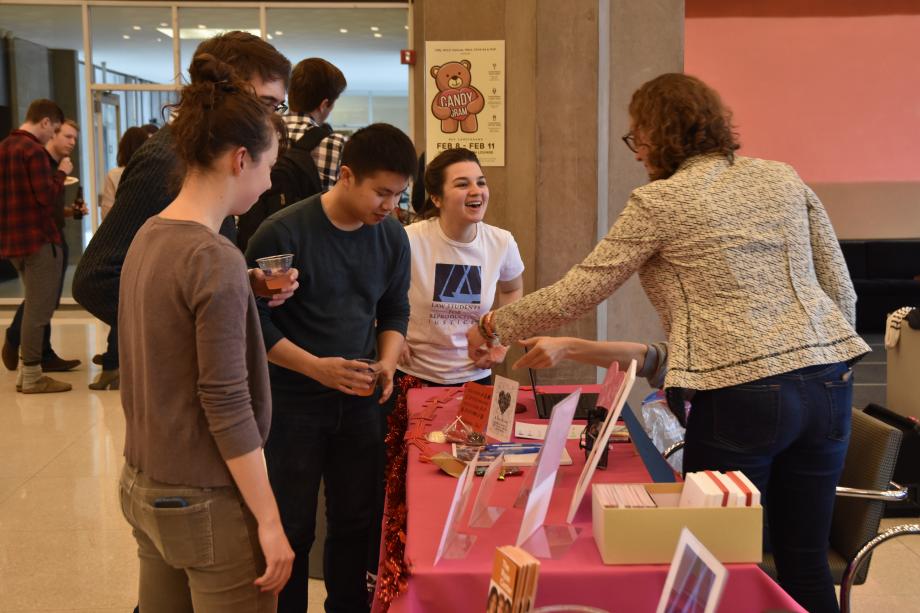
680, 117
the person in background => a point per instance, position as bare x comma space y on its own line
59, 147
29, 235
130, 142
315, 87
146, 187
741, 262
196, 393
327, 346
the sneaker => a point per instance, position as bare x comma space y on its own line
58, 364
45, 385
10, 354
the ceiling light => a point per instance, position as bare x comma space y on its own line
378, 35
159, 40
135, 27
279, 33
201, 26
199, 34
163, 24
270, 37
407, 27
125, 36
375, 29
343, 30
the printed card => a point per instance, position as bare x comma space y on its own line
501, 410
474, 408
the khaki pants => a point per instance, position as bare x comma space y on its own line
202, 557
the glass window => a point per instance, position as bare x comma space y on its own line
133, 42
198, 24
365, 44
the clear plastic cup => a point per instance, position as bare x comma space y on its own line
371, 368
275, 268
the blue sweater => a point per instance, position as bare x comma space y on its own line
353, 286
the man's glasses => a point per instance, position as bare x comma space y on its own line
278, 107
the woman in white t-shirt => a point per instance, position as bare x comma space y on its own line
461, 266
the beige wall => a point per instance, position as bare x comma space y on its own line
547, 195
872, 209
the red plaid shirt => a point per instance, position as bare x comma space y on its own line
28, 191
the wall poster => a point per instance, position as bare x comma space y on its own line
465, 95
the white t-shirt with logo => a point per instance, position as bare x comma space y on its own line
453, 285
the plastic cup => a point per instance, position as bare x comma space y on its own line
275, 268
368, 391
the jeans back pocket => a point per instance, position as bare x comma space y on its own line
746, 417
183, 535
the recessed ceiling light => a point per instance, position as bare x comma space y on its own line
270, 37
279, 33
375, 29
407, 27
135, 27
125, 36
201, 26
343, 30
163, 24
378, 35
159, 40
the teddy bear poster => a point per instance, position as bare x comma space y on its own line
465, 98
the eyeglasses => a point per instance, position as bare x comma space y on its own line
278, 107
631, 142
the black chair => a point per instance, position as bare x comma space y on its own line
866, 487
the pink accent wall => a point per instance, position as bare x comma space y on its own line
838, 97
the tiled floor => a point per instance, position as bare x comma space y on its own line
65, 547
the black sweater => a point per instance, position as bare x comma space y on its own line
353, 286
147, 186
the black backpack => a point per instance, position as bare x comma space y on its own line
294, 177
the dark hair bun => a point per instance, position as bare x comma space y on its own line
206, 68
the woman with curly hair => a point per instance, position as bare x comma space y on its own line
740, 260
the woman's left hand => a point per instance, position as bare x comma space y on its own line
475, 342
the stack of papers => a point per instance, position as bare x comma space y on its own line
623, 496
709, 488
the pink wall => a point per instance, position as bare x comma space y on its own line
837, 96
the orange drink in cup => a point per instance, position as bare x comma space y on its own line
371, 368
275, 268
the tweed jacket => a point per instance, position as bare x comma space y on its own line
739, 259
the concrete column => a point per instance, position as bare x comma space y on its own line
563, 149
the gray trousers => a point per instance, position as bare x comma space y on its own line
41, 277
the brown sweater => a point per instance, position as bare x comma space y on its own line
194, 376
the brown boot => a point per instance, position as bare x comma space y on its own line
45, 385
107, 380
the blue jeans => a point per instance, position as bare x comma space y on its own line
789, 434
335, 437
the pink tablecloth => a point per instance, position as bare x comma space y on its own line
578, 578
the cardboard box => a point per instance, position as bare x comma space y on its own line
649, 536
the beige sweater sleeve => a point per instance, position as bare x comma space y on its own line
830, 267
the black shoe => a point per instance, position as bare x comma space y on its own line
97, 359
10, 354
57, 364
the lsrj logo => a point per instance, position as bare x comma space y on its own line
458, 283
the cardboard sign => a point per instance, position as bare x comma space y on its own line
474, 408
501, 409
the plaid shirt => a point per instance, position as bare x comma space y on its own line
29, 189
327, 154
